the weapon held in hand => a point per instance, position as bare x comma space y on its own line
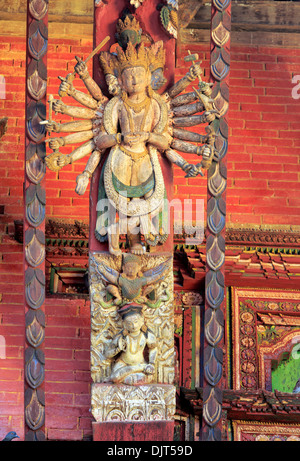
70, 77
51, 159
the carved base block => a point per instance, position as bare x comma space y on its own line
154, 431
156, 402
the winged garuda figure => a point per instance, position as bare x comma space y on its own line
132, 285
130, 131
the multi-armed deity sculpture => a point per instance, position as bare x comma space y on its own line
132, 351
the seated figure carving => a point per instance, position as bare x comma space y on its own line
128, 348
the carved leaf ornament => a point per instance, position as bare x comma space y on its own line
38, 8
35, 287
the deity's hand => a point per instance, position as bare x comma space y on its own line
63, 160
58, 106
53, 126
97, 127
190, 170
82, 181
195, 71
97, 123
149, 369
136, 138
56, 143
205, 88
81, 69
206, 152
66, 87
144, 136
122, 344
209, 116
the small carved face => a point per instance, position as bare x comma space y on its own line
131, 269
157, 79
135, 79
133, 322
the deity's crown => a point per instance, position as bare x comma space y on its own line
133, 57
129, 23
130, 309
150, 58
131, 258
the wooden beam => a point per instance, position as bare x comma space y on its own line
80, 8
251, 15
286, 40
268, 23
61, 18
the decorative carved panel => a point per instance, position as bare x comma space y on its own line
247, 431
258, 335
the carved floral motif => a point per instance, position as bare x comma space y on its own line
262, 321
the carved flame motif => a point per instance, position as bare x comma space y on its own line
36, 86
38, 8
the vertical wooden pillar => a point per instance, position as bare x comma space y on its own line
34, 219
216, 218
129, 412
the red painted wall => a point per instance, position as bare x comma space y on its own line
264, 137
263, 188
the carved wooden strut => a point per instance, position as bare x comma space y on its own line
216, 213
34, 222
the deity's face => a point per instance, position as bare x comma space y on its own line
131, 269
133, 322
135, 80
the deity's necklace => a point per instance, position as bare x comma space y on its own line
134, 343
137, 107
